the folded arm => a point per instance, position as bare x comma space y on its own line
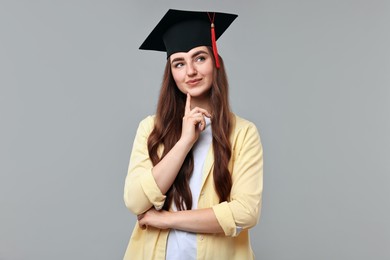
243, 209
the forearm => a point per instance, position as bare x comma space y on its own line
193, 124
196, 221
167, 169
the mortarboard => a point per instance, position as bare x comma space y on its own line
180, 31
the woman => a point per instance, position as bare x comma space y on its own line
195, 172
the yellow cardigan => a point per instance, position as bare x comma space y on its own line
243, 210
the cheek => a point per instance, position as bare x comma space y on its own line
177, 76
208, 69
210, 74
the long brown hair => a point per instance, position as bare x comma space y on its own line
167, 131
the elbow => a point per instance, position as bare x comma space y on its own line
130, 204
251, 220
254, 216
139, 197
134, 205
133, 197
247, 221
249, 217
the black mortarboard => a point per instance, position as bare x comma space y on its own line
180, 31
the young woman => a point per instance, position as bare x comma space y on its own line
196, 169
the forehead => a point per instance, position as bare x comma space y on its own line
189, 53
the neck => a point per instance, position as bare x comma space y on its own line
201, 102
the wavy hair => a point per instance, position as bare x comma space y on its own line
167, 131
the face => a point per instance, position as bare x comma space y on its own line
193, 71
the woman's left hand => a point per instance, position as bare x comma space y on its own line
154, 218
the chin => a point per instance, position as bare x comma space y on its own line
195, 93
198, 94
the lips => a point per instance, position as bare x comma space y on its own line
193, 81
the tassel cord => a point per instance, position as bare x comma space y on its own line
214, 40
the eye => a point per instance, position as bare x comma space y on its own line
200, 58
178, 65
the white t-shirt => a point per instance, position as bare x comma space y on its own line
182, 244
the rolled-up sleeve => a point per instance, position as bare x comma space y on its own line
141, 191
243, 209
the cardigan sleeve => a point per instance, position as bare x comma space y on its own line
243, 209
141, 191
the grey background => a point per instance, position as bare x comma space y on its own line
313, 76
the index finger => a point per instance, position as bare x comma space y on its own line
188, 104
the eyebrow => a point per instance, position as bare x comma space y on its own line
192, 56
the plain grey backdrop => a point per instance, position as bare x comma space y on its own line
312, 75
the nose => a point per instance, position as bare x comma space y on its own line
191, 70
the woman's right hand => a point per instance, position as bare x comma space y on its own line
193, 122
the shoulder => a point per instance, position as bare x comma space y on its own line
147, 124
242, 124
245, 138
244, 131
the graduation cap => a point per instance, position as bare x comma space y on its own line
181, 31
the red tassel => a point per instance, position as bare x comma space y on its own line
214, 44
214, 40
